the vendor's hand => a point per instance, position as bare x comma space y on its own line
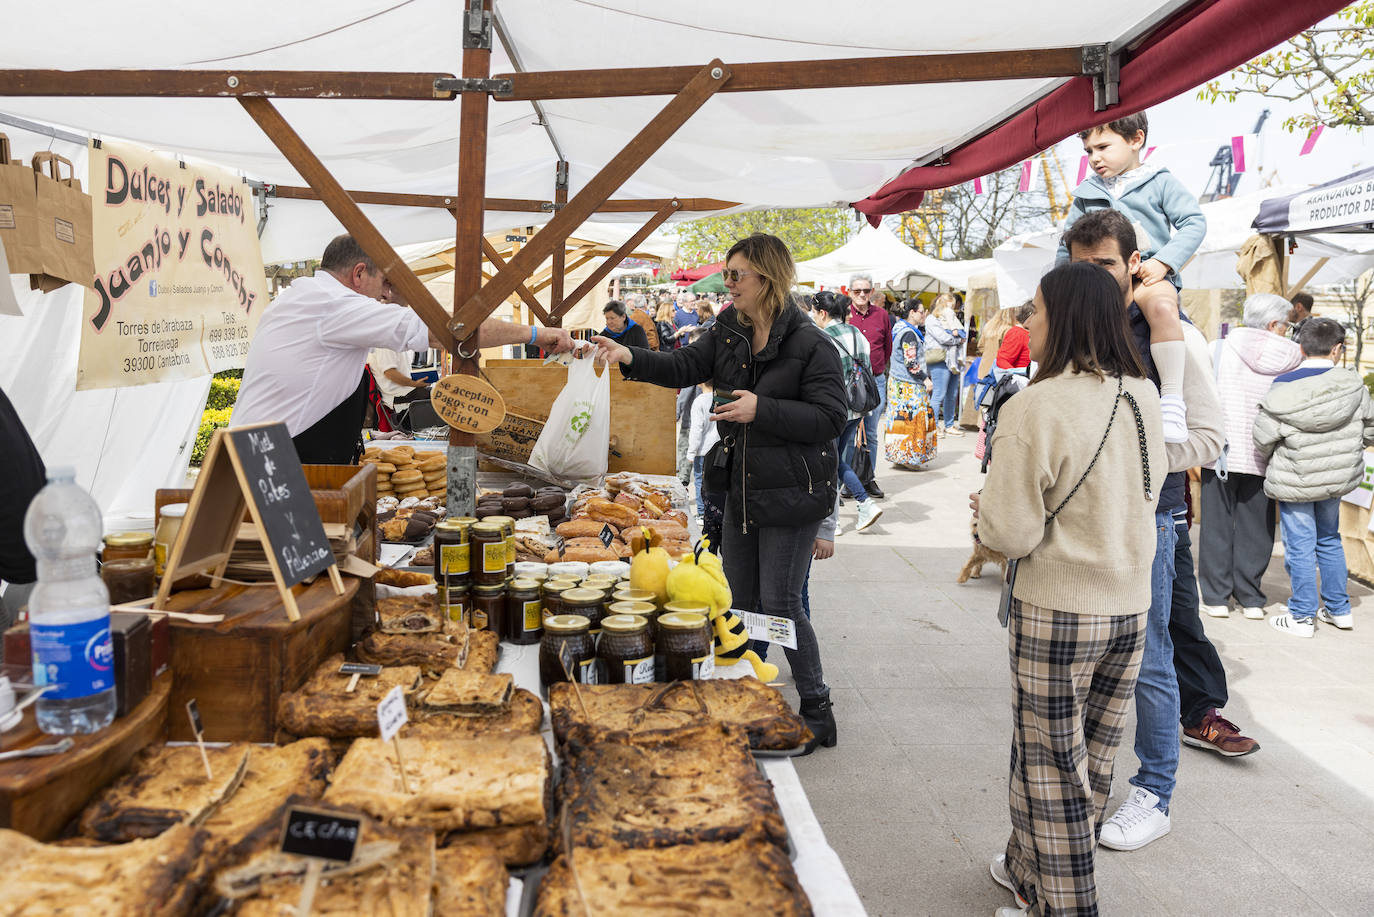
554, 340
822, 549
1152, 271
973, 501
743, 409
612, 352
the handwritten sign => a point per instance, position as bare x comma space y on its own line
468, 403
320, 835
286, 510
391, 714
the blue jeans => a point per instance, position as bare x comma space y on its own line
945, 398
844, 448
1156, 691
872, 421
1312, 545
697, 465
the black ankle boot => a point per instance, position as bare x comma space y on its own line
816, 711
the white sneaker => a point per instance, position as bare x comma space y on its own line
1215, 611
1253, 612
1294, 627
998, 868
1344, 622
1137, 822
869, 511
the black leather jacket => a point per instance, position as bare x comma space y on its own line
782, 466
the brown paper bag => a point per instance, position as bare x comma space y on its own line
18, 213
64, 226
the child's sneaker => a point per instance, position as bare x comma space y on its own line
1343, 622
1294, 627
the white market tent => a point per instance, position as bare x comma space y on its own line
892, 264
1023, 259
833, 143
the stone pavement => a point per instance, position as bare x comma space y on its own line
914, 797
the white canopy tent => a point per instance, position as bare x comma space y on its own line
892, 264
803, 147
1023, 259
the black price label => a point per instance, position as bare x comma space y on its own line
359, 668
320, 835
565, 656
193, 711
607, 535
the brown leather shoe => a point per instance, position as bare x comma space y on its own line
1218, 734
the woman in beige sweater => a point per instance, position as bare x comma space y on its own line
1077, 460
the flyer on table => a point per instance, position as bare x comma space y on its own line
179, 283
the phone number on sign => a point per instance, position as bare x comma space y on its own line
228, 351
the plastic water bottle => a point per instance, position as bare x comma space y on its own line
69, 610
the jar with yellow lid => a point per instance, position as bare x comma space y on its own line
488, 550
567, 638
589, 603
684, 642
523, 623
629, 594
552, 596
626, 651
127, 546
646, 610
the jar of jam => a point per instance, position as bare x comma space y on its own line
552, 592
626, 651
452, 555
507, 524
488, 607
487, 543
628, 594
524, 619
168, 525
567, 638
589, 603
128, 580
456, 603
684, 642
127, 546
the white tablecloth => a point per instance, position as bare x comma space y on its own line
818, 867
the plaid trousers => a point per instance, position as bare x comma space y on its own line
1073, 677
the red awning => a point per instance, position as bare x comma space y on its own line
1199, 44
693, 274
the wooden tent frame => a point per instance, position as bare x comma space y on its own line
473, 299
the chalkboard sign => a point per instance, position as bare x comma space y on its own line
320, 835
293, 533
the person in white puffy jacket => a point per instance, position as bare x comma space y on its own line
1313, 426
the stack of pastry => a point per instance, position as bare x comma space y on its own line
406, 473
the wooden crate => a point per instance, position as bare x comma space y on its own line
643, 421
238, 669
38, 796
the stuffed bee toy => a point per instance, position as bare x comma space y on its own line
700, 578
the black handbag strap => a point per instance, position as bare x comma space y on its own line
1140, 437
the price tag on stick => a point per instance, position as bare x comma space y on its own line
607, 535
358, 670
197, 727
391, 716
319, 836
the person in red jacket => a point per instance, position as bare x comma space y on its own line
1014, 351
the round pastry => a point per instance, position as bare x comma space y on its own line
437, 463
513, 504
395, 456
546, 502
518, 489
416, 489
483, 512
520, 513
386, 504
408, 502
407, 477
432, 476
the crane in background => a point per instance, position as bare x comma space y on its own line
1224, 179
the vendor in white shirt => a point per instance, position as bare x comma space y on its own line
393, 379
306, 366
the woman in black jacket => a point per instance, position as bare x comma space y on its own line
776, 458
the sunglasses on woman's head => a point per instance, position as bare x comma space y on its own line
734, 275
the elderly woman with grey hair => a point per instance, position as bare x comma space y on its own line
1237, 534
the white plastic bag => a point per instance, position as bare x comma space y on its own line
577, 434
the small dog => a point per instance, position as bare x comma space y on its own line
982, 554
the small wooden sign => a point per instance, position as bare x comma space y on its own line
320, 835
468, 403
256, 465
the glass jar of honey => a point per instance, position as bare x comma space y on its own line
127, 546
523, 623
487, 543
456, 603
626, 651
552, 592
628, 594
589, 603
452, 553
684, 642
128, 580
567, 639
507, 524
168, 525
488, 607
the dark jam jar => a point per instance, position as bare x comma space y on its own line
570, 636
129, 580
684, 643
552, 593
507, 524
488, 551
488, 608
625, 650
455, 602
452, 557
524, 620
589, 603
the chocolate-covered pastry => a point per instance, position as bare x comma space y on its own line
518, 489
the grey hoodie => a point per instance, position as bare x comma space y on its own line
1314, 430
